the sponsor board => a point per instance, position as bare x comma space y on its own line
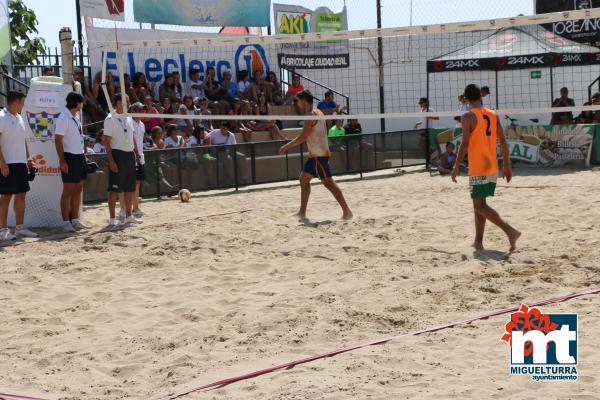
540, 146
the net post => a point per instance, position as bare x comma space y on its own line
427, 150
235, 167
111, 109
121, 68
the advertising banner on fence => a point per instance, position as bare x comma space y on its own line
45, 101
290, 20
105, 9
203, 12
156, 62
540, 146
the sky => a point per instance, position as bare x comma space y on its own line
55, 14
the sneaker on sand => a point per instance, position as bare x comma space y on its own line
68, 227
138, 213
20, 230
114, 223
132, 220
5, 235
79, 226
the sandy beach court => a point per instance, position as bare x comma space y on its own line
185, 299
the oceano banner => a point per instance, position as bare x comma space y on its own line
203, 12
538, 145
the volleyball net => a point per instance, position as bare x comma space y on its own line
373, 75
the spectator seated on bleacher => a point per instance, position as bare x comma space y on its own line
273, 89
336, 130
240, 126
202, 109
194, 86
98, 146
213, 91
222, 136
158, 138
294, 89
174, 139
264, 108
246, 89
353, 127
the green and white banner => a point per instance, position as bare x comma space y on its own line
540, 145
296, 19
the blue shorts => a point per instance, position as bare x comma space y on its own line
318, 167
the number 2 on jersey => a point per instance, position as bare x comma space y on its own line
488, 122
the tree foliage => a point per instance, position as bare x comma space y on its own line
23, 26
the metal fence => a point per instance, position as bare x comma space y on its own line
221, 167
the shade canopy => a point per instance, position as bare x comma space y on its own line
517, 48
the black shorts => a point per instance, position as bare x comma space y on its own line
140, 172
17, 180
77, 168
124, 180
318, 167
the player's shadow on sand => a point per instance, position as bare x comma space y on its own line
313, 224
491, 255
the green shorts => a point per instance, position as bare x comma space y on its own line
483, 186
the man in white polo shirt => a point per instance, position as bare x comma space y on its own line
222, 135
14, 166
70, 149
119, 141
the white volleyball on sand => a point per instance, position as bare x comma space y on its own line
184, 195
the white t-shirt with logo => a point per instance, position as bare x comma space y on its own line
120, 130
217, 138
12, 138
138, 130
69, 127
194, 92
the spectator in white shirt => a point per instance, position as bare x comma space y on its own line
426, 122
463, 107
246, 89
194, 87
70, 148
98, 146
173, 140
15, 166
222, 136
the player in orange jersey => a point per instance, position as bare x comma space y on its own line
481, 132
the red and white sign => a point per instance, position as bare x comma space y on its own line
105, 9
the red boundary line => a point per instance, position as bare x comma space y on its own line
6, 396
289, 365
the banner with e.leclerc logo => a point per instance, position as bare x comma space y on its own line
543, 346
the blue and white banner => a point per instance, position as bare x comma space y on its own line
203, 12
156, 62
